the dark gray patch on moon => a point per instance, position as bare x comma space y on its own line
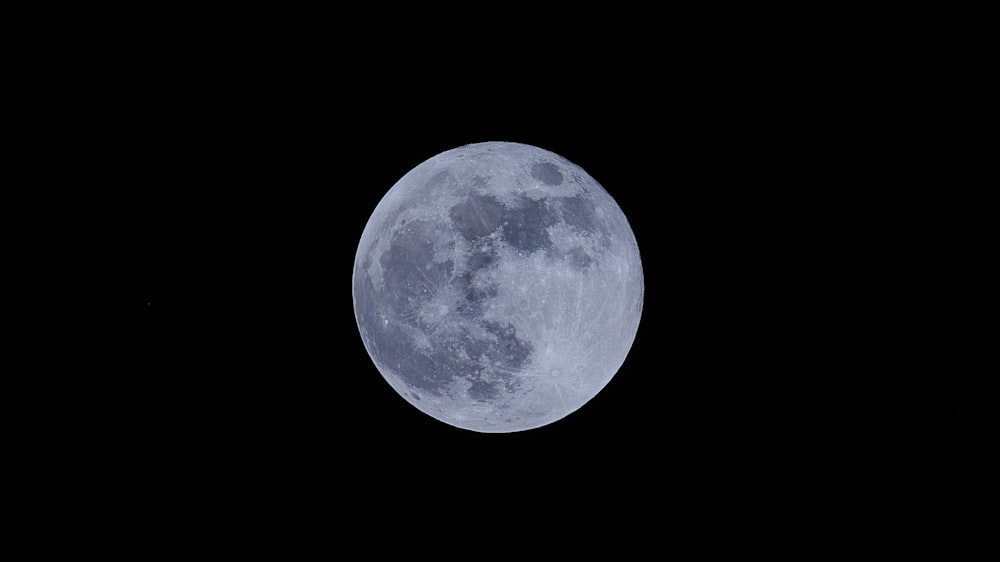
547, 173
397, 351
578, 258
482, 390
476, 216
526, 226
410, 257
577, 212
481, 255
475, 294
581, 213
506, 354
438, 179
509, 350
430, 352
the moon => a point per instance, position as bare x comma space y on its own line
497, 287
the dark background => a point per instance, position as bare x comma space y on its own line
753, 416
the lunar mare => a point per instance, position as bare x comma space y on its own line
497, 287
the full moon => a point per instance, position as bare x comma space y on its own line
497, 287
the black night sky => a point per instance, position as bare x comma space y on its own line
752, 417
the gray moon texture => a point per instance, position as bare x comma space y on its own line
497, 287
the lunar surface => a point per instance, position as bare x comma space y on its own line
497, 287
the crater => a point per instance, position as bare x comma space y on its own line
547, 173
